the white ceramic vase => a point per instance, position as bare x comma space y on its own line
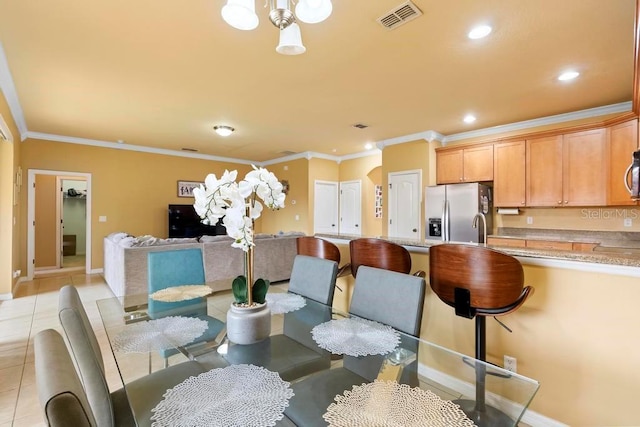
248, 325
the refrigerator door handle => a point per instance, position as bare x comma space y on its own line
445, 221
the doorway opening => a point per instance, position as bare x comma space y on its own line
58, 222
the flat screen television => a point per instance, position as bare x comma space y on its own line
185, 222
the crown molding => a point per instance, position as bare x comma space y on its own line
527, 124
140, 148
9, 91
429, 136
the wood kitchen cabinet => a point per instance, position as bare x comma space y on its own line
622, 142
509, 178
472, 164
567, 170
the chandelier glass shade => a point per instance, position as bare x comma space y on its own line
241, 14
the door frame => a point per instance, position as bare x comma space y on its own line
417, 172
31, 213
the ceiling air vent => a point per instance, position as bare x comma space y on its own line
288, 153
360, 126
192, 150
400, 15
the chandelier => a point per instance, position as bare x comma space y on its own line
241, 14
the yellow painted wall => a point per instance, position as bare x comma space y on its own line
576, 335
10, 219
296, 203
131, 189
45, 217
404, 157
368, 170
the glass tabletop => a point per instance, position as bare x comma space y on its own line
479, 388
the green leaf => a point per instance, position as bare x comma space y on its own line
259, 290
239, 288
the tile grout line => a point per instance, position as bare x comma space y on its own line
26, 352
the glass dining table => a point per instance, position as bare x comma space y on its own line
406, 371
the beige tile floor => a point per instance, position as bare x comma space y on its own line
32, 310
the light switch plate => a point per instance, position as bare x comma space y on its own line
102, 218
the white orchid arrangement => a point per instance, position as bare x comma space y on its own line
238, 206
237, 203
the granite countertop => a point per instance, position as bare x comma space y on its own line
613, 255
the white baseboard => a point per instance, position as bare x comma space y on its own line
6, 297
530, 417
97, 271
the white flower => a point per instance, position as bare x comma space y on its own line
237, 203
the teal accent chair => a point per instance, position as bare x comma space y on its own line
392, 298
177, 268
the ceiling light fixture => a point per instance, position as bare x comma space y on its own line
469, 118
479, 32
368, 146
568, 75
241, 14
223, 130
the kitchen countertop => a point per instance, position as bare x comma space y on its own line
614, 256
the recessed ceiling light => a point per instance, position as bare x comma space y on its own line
368, 146
568, 75
223, 130
479, 32
469, 118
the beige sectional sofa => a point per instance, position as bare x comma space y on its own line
125, 259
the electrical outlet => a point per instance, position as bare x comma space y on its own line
510, 363
628, 222
529, 220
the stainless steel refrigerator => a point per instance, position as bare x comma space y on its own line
450, 211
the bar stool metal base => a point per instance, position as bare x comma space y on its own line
490, 417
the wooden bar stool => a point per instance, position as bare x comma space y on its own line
478, 282
382, 254
320, 248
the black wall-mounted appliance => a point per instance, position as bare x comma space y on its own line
185, 222
634, 171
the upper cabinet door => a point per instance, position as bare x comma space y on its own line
544, 171
449, 167
584, 168
509, 179
473, 164
623, 140
477, 164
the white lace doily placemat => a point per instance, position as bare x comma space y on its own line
235, 396
387, 404
181, 293
355, 337
159, 334
284, 303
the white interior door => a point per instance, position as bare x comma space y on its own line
351, 207
404, 204
325, 207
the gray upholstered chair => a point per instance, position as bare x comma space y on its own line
314, 278
117, 408
293, 353
395, 299
59, 388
